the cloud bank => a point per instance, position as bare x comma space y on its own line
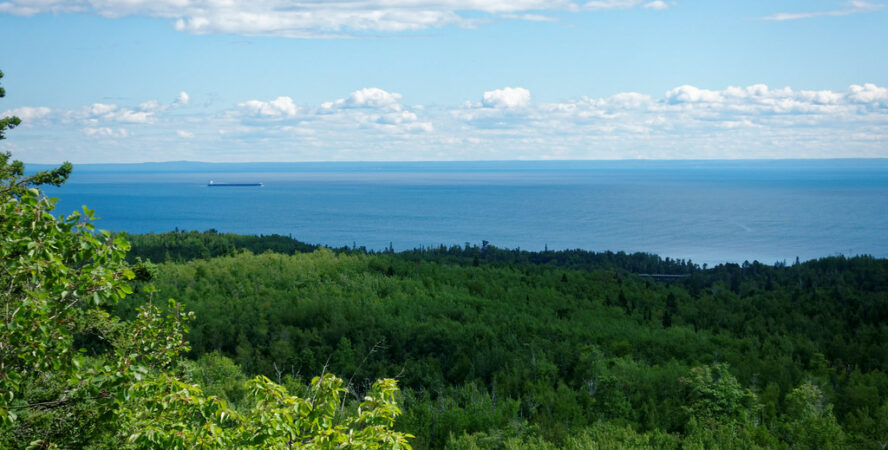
852, 7
686, 122
506, 98
319, 18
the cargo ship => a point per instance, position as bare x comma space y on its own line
214, 184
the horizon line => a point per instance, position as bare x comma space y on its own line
851, 158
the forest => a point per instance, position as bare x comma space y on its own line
498, 348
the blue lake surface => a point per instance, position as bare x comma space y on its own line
706, 211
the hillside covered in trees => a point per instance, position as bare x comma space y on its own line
502, 348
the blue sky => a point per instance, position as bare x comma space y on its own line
262, 80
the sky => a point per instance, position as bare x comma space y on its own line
424, 80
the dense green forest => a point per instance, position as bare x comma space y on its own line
504, 348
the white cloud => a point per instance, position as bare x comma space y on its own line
28, 113
133, 116
368, 108
143, 113
628, 100
182, 99
611, 4
374, 98
98, 109
102, 112
691, 94
278, 108
820, 97
530, 17
155, 106
869, 93
317, 18
150, 105
508, 97
106, 132
852, 7
755, 121
658, 5
367, 98
688, 119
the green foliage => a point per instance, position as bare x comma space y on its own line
809, 422
6, 123
167, 413
600, 435
57, 276
479, 349
188, 245
218, 376
715, 396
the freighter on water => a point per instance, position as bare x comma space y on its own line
213, 184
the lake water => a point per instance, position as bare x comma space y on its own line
709, 212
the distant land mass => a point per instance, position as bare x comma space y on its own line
495, 166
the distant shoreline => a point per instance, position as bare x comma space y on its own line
875, 164
287, 244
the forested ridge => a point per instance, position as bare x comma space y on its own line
495, 347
